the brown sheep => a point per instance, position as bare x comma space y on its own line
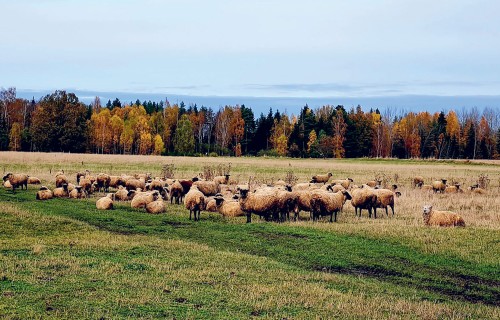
156, 207
77, 193
453, 189
221, 179
374, 183
442, 218
103, 181
426, 187
385, 198
116, 181
61, 192
141, 199
44, 193
134, 184
208, 188
328, 203
194, 202
344, 183
61, 179
439, 185
176, 192
363, 198
122, 194
418, 182
34, 180
17, 180
321, 178
264, 204
105, 203
86, 184
228, 208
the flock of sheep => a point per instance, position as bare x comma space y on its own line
279, 202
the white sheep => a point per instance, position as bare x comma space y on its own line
105, 203
156, 207
441, 218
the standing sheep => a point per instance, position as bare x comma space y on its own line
17, 180
208, 188
44, 193
103, 182
105, 203
385, 198
116, 181
418, 182
439, 186
194, 202
265, 204
321, 178
176, 192
327, 203
363, 198
442, 218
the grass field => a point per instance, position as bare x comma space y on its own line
65, 259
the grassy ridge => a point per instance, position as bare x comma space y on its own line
366, 265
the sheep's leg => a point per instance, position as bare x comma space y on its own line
374, 213
335, 216
386, 212
190, 214
249, 217
392, 208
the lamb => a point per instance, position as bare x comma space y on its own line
221, 179
17, 180
363, 198
194, 202
156, 207
141, 199
439, 186
418, 182
61, 192
78, 193
344, 183
327, 203
385, 198
228, 208
103, 181
105, 203
44, 193
121, 194
453, 189
263, 204
176, 192
34, 180
442, 218
321, 178
208, 188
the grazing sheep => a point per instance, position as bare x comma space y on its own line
156, 207
103, 181
228, 208
78, 193
176, 192
418, 182
86, 184
44, 193
208, 188
328, 203
385, 198
194, 202
344, 183
221, 179
34, 180
61, 192
105, 203
442, 218
263, 204
116, 181
321, 178
374, 183
186, 186
363, 198
134, 184
141, 199
453, 189
17, 180
439, 186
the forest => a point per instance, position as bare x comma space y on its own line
60, 122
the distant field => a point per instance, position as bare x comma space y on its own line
64, 259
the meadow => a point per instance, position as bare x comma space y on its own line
64, 259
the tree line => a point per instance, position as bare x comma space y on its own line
59, 122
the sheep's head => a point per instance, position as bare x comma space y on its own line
347, 195
398, 194
288, 188
244, 193
350, 179
78, 189
194, 179
131, 194
427, 210
444, 181
7, 176
65, 186
219, 201
44, 188
227, 176
156, 195
394, 186
330, 174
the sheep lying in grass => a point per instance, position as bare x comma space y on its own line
61, 192
44, 193
34, 180
321, 178
222, 179
439, 186
105, 203
327, 203
476, 189
77, 193
228, 208
442, 218
141, 199
264, 204
211, 204
156, 207
194, 201
418, 181
427, 187
453, 189
344, 183
122, 194
17, 180
134, 184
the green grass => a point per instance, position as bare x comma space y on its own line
64, 258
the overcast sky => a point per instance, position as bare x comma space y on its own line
288, 48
